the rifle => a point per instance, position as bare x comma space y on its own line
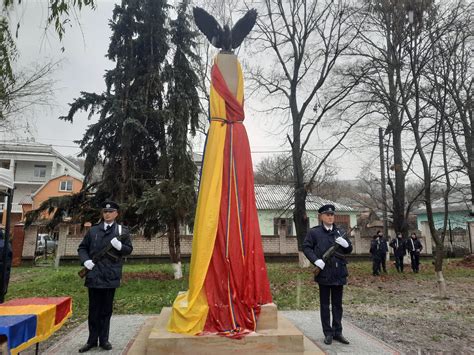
106, 250
327, 254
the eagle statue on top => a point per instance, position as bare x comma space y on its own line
224, 38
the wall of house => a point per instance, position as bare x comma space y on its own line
22, 190
458, 219
51, 189
24, 171
458, 241
266, 219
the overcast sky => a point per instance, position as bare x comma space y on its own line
82, 67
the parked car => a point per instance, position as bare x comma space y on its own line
45, 240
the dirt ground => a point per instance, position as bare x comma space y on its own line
406, 312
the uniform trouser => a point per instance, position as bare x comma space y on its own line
100, 311
399, 263
383, 258
333, 293
415, 261
375, 265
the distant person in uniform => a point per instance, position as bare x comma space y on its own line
104, 275
333, 274
383, 250
8, 259
414, 246
375, 252
399, 251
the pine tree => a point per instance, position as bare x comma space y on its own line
131, 110
146, 114
177, 189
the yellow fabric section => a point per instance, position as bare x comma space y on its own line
190, 308
45, 321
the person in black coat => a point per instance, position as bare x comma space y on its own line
376, 255
383, 250
414, 246
104, 275
9, 258
333, 274
399, 251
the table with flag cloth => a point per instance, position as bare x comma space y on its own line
27, 321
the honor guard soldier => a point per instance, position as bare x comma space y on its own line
104, 273
333, 274
399, 251
414, 247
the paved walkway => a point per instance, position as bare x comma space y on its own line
124, 328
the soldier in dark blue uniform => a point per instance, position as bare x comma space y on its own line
399, 251
414, 246
375, 252
104, 275
378, 249
9, 257
383, 251
333, 273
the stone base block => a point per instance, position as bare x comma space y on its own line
268, 318
286, 338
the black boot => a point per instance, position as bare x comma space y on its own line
87, 347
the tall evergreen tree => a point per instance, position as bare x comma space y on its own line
172, 203
131, 110
148, 110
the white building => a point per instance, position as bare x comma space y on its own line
33, 164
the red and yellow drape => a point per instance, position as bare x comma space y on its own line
228, 278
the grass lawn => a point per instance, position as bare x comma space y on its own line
367, 298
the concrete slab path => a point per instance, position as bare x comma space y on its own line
125, 328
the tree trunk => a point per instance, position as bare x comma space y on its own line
399, 222
175, 250
439, 254
303, 260
301, 221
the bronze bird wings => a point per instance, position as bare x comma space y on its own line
223, 37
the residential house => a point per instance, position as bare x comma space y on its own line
275, 207
58, 186
458, 238
33, 165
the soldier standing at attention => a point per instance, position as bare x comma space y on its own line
399, 250
383, 251
104, 275
333, 275
375, 252
414, 247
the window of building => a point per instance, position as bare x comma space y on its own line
288, 222
40, 171
65, 185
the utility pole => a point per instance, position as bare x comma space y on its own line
383, 183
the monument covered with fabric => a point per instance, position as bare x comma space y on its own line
228, 279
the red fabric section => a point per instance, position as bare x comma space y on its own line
234, 110
237, 284
63, 305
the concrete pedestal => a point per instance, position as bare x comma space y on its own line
275, 334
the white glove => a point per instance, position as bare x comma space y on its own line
320, 263
342, 242
117, 244
89, 264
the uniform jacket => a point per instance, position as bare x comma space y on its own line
398, 246
107, 272
317, 241
378, 247
414, 245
